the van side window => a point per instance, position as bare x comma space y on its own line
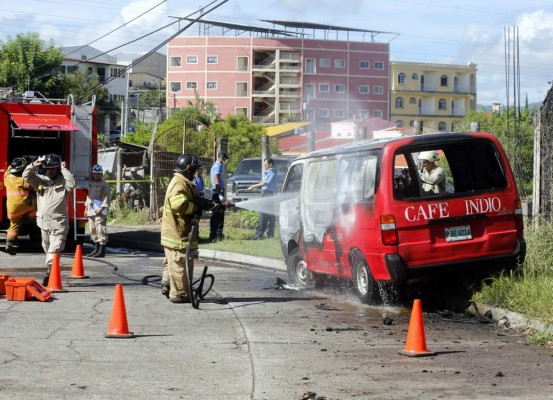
293, 183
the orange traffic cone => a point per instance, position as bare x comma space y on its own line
78, 270
118, 327
416, 340
54, 279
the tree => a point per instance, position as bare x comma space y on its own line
29, 63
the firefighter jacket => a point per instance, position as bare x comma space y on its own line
20, 197
51, 197
178, 214
98, 197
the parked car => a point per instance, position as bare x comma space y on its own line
363, 213
250, 171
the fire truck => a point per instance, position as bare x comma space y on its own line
31, 126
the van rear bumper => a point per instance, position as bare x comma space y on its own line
400, 272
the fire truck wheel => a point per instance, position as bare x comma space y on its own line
297, 269
365, 285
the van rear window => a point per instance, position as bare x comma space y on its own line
472, 165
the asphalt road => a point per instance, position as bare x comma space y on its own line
252, 338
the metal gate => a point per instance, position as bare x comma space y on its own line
166, 149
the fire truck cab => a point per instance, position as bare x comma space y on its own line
32, 126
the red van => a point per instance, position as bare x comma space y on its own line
400, 209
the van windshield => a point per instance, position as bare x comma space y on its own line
254, 167
471, 165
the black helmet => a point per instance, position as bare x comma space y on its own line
18, 165
51, 161
187, 162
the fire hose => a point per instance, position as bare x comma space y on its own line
198, 293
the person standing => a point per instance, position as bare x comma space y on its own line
268, 188
52, 215
136, 189
20, 202
199, 181
432, 177
180, 209
96, 209
217, 219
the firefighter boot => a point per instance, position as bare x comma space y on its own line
10, 247
165, 288
95, 251
101, 251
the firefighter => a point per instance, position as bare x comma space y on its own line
180, 211
96, 209
52, 189
20, 203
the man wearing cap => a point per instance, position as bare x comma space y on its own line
432, 177
52, 190
96, 210
217, 219
20, 202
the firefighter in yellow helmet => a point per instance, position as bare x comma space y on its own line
20, 203
96, 210
180, 210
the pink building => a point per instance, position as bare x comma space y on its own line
279, 75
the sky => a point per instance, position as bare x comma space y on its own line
429, 31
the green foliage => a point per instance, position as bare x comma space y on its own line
29, 63
152, 98
516, 133
141, 136
244, 219
125, 216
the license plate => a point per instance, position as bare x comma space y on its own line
458, 233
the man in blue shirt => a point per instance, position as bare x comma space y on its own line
268, 188
217, 219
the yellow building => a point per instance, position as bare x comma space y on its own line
431, 97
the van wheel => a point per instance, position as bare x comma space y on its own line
297, 268
365, 285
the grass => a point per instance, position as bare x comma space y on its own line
528, 291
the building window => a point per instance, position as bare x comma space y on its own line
241, 111
323, 113
339, 113
192, 59
399, 123
175, 61
401, 78
364, 65
443, 80
242, 64
324, 63
441, 126
378, 89
211, 85
212, 60
364, 89
412, 100
363, 114
241, 89
442, 105
324, 87
309, 65
340, 88
378, 65
190, 85
415, 77
399, 102
309, 91
175, 87
411, 123
377, 113
340, 63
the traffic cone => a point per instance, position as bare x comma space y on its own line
54, 279
416, 340
118, 327
78, 270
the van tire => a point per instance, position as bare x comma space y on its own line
297, 269
365, 285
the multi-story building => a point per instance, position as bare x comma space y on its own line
279, 75
431, 97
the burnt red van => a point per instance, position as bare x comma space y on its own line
400, 209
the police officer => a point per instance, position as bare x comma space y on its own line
180, 211
20, 203
217, 220
52, 189
96, 209
268, 188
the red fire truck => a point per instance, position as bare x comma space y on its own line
31, 126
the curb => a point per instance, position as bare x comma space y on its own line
515, 320
242, 259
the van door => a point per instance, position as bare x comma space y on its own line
465, 211
289, 211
